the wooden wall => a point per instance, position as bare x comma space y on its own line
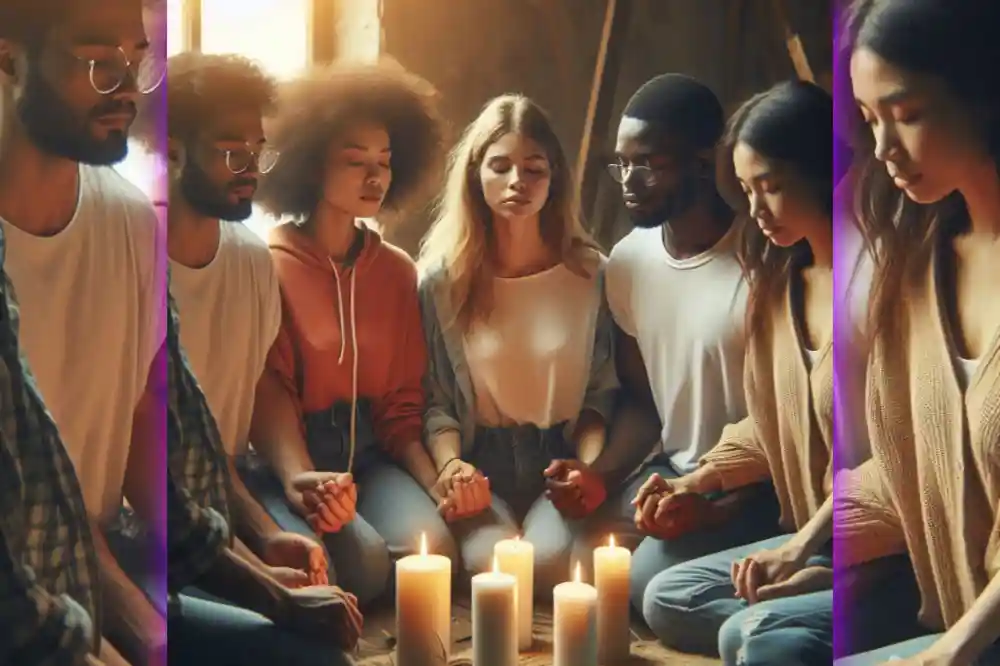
473, 50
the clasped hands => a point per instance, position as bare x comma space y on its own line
463, 491
327, 500
670, 508
776, 573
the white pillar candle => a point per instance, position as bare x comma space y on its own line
423, 609
494, 618
611, 578
574, 625
517, 558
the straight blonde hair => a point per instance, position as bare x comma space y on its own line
460, 241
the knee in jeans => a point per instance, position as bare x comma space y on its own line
440, 541
740, 640
731, 639
665, 610
552, 566
371, 577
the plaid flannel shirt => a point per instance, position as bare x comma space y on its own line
49, 577
196, 456
198, 483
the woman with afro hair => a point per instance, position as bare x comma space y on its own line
339, 413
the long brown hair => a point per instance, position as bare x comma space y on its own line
945, 39
461, 241
791, 124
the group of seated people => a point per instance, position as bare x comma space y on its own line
325, 400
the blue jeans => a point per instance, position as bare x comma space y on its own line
544, 527
392, 511
134, 552
758, 520
209, 633
911, 648
513, 459
693, 607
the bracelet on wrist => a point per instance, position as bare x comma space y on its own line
445, 466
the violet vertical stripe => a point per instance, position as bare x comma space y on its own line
842, 272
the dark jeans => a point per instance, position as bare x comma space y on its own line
210, 633
513, 459
392, 509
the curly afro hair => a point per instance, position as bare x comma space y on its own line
316, 108
202, 87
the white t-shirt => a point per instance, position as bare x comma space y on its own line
230, 313
530, 362
688, 316
92, 306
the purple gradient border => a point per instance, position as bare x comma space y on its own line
842, 273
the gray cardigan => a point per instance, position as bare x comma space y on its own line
448, 385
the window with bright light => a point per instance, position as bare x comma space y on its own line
141, 167
275, 33
175, 27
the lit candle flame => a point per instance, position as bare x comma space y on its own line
423, 543
578, 575
517, 537
611, 541
496, 564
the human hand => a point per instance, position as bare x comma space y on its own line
943, 652
766, 569
288, 552
324, 613
327, 500
465, 492
669, 508
804, 581
574, 488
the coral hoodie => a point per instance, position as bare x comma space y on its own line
351, 331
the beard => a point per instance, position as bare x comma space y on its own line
211, 200
674, 204
55, 129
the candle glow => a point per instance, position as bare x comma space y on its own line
574, 622
612, 565
423, 608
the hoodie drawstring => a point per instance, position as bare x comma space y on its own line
354, 349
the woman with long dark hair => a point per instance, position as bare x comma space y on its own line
924, 76
770, 602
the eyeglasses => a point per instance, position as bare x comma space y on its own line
108, 74
239, 160
621, 172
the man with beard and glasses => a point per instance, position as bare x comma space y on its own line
676, 291
261, 621
81, 253
221, 276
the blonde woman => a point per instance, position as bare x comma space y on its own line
521, 376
